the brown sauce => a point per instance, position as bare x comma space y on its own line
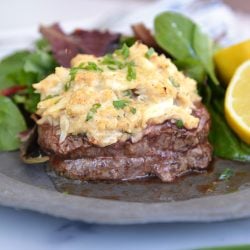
153, 190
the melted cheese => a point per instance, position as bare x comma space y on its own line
81, 100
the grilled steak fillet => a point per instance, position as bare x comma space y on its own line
167, 168
165, 151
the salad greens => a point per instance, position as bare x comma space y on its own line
11, 124
184, 40
192, 51
17, 74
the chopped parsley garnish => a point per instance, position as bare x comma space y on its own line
49, 97
128, 93
112, 63
67, 86
125, 51
149, 53
133, 110
226, 174
173, 82
120, 104
73, 71
91, 66
179, 124
92, 111
112, 67
131, 73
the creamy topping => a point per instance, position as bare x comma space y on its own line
113, 98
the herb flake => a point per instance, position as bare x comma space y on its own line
92, 111
226, 174
149, 53
120, 104
179, 124
173, 82
125, 51
128, 93
131, 73
112, 63
67, 86
133, 110
91, 66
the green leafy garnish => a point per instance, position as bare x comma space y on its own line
125, 51
112, 63
149, 53
92, 111
173, 82
128, 93
49, 97
11, 124
193, 53
131, 73
25, 68
67, 86
128, 40
91, 66
225, 143
184, 40
73, 71
226, 174
120, 104
133, 110
112, 67
179, 124
43, 44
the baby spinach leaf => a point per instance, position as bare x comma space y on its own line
203, 47
225, 143
192, 68
193, 54
11, 124
174, 33
183, 39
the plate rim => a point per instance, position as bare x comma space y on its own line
93, 210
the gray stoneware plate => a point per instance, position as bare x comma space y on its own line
193, 198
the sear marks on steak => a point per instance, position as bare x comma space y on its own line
165, 151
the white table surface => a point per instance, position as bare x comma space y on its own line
29, 230
32, 231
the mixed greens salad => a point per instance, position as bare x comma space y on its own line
178, 36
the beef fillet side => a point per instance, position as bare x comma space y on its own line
165, 151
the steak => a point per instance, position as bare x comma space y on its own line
165, 150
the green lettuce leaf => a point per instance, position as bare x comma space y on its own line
11, 124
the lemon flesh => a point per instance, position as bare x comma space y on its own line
237, 102
227, 60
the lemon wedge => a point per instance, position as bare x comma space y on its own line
227, 60
237, 102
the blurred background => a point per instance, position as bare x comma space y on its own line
19, 20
